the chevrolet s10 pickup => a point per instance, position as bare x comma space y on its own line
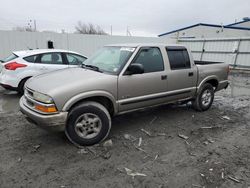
118, 79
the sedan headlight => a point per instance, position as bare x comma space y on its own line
42, 97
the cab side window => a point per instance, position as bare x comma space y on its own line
74, 59
178, 58
151, 59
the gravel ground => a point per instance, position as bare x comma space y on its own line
169, 146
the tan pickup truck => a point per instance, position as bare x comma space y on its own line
115, 80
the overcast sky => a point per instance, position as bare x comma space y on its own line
144, 18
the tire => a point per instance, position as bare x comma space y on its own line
20, 88
88, 123
204, 98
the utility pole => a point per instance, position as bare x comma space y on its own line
34, 25
29, 25
222, 27
128, 32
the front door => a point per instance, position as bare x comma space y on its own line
146, 89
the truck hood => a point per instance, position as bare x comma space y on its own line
63, 84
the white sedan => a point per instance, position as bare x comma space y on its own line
16, 69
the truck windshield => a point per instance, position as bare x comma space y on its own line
110, 59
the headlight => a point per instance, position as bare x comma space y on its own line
42, 97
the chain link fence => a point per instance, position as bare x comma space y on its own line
233, 51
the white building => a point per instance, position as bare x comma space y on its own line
203, 30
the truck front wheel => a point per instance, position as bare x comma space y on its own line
204, 98
89, 123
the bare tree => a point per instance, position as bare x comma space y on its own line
89, 28
18, 28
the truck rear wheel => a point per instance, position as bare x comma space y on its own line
89, 123
204, 98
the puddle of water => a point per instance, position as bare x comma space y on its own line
236, 96
239, 86
9, 101
239, 91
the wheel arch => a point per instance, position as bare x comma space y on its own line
213, 80
104, 98
25, 78
21, 85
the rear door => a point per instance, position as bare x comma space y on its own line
141, 90
182, 76
48, 62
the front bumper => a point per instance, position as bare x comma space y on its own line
54, 122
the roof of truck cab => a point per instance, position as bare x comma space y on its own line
144, 44
39, 51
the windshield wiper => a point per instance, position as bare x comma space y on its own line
92, 67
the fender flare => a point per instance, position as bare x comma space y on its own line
89, 94
212, 77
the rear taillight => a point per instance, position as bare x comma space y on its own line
14, 66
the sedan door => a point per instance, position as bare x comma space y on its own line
146, 89
48, 62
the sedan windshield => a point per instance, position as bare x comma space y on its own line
110, 59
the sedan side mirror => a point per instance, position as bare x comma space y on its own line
135, 68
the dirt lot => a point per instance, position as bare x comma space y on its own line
216, 152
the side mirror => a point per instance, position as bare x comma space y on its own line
135, 69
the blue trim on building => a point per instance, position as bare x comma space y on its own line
204, 24
238, 22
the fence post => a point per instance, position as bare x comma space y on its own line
237, 53
203, 50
